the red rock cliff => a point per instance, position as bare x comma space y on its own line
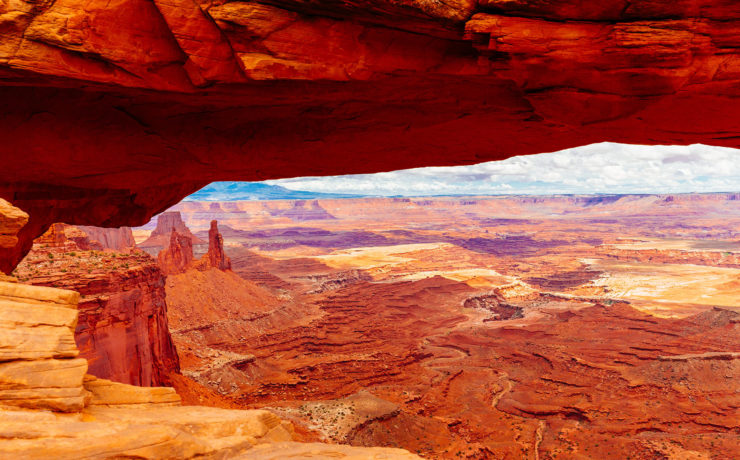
112, 111
119, 239
122, 328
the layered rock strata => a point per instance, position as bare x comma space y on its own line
161, 236
122, 329
39, 363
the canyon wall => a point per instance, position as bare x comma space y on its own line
119, 239
111, 112
122, 328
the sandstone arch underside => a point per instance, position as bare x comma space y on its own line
113, 111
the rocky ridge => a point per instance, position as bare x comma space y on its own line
118, 239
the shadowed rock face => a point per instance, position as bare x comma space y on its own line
112, 111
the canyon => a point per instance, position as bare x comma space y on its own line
445, 327
52, 409
474, 327
479, 327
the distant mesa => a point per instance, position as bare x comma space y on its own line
301, 211
69, 238
253, 191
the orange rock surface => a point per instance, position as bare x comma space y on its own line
113, 111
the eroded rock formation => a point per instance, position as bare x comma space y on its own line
122, 328
153, 100
12, 221
161, 236
178, 256
215, 257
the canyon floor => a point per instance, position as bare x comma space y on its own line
574, 327
560, 327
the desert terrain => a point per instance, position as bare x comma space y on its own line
453, 327
477, 327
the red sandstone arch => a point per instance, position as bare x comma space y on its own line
112, 111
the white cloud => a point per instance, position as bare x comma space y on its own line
597, 168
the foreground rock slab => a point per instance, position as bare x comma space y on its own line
297, 450
140, 432
150, 432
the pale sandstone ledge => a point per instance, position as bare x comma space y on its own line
39, 368
39, 294
181, 432
297, 450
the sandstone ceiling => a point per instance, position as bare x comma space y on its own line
113, 110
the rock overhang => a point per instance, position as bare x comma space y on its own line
114, 111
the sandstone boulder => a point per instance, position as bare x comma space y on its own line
12, 220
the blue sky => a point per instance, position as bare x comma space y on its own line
597, 168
